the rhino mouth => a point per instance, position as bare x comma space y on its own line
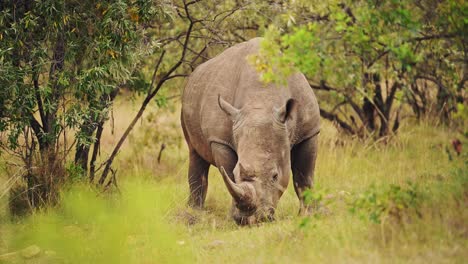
246, 208
244, 220
248, 218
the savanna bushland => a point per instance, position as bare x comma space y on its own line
93, 164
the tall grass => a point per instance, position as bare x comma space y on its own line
89, 227
148, 221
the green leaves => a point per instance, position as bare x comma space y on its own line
60, 60
394, 201
281, 55
349, 41
358, 31
300, 49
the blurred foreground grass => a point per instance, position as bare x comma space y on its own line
404, 201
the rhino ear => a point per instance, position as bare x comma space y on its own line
228, 108
283, 113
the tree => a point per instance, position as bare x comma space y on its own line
61, 63
366, 58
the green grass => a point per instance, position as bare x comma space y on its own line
148, 221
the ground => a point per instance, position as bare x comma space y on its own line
402, 200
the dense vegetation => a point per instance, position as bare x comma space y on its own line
90, 142
375, 57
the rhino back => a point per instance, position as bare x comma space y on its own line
230, 75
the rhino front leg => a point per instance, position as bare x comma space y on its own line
225, 157
303, 158
198, 180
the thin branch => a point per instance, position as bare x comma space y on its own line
150, 96
325, 87
156, 68
430, 37
175, 76
37, 128
38, 96
322, 86
429, 78
334, 118
372, 62
192, 2
338, 106
391, 95
199, 55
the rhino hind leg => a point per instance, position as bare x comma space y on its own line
198, 180
303, 157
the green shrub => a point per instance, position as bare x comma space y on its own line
393, 202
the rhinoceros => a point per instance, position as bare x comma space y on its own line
254, 133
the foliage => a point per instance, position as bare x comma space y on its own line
393, 202
316, 200
61, 62
99, 51
369, 57
461, 116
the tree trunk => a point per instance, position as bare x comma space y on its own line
369, 111
89, 127
43, 183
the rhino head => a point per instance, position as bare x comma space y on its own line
261, 174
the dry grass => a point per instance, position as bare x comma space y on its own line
149, 222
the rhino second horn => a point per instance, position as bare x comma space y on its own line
240, 192
228, 108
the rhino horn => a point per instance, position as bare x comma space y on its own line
242, 193
228, 108
242, 170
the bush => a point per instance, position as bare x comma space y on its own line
393, 202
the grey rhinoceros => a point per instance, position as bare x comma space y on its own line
254, 133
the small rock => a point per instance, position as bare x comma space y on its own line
181, 242
30, 252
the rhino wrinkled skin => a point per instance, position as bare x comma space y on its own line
254, 133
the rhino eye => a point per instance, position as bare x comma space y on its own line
275, 177
249, 179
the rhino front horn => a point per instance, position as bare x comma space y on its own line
243, 193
